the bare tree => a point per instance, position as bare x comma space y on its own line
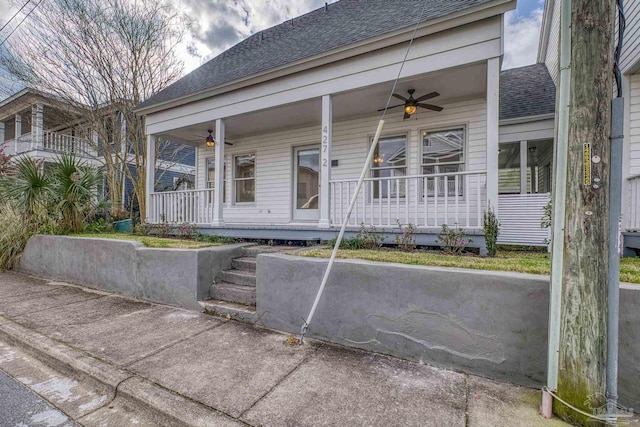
101, 58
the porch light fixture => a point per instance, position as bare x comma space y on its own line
210, 141
410, 109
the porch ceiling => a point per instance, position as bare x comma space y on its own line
452, 84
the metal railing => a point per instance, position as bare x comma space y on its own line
178, 207
422, 200
633, 216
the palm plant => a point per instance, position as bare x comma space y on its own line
74, 188
27, 186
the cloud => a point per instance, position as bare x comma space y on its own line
521, 36
219, 24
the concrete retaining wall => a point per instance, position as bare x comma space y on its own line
488, 323
179, 277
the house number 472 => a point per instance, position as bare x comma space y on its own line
325, 145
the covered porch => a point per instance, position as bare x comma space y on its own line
29, 126
291, 170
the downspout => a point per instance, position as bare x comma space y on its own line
559, 199
615, 212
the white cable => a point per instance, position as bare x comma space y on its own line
586, 414
363, 174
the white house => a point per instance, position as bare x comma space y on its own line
298, 104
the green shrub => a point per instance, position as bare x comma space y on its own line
407, 240
367, 238
14, 234
452, 240
491, 228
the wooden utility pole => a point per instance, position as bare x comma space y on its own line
583, 326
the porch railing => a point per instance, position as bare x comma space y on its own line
422, 200
633, 218
177, 207
51, 141
62, 143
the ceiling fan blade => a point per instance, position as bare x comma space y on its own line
407, 116
400, 97
431, 107
395, 106
428, 96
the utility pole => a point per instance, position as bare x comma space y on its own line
582, 352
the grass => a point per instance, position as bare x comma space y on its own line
516, 261
152, 242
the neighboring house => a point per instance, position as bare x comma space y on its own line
41, 127
548, 54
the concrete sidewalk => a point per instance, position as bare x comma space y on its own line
154, 365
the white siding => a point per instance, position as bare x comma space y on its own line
631, 48
551, 58
520, 216
274, 155
634, 125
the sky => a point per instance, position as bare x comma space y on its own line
219, 24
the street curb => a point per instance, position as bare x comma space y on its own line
168, 407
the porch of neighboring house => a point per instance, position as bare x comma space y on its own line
289, 172
42, 131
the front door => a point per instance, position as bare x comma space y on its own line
306, 181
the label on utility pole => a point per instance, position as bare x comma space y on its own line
587, 164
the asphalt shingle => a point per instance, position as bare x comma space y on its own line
343, 23
526, 91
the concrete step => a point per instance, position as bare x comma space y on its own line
230, 310
231, 292
238, 277
244, 263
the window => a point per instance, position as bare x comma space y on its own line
443, 153
390, 160
245, 178
182, 183
211, 177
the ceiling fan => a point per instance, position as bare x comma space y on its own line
411, 104
209, 140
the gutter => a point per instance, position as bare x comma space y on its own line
494, 8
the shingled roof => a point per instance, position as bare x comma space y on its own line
526, 91
340, 24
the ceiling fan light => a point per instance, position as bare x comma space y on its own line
210, 141
410, 109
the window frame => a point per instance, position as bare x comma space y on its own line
462, 165
235, 178
373, 169
224, 173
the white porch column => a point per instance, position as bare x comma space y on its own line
1, 133
523, 166
37, 124
17, 133
150, 178
493, 117
218, 199
325, 162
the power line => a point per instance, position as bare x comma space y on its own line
19, 23
14, 15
